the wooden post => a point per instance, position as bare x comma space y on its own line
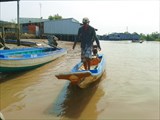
18, 26
2, 38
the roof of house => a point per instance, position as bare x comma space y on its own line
37, 20
31, 20
72, 19
1, 21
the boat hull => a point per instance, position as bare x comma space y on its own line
83, 78
27, 61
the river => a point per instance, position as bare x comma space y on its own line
129, 88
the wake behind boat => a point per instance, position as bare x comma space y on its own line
22, 59
81, 77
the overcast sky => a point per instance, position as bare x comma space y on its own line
141, 16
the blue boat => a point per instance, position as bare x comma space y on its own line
81, 77
23, 59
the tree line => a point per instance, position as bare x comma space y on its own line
55, 17
155, 36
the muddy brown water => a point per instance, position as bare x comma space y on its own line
128, 89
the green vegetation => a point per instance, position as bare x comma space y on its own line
55, 17
150, 37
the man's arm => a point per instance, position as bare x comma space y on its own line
97, 40
75, 41
74, 45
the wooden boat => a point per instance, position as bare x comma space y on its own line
81, 77
137, 41
25, 43
14, 60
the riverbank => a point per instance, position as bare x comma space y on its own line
38, 43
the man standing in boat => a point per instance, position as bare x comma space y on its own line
86, 35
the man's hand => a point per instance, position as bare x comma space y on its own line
99, 48
74, 45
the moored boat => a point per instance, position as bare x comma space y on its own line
137, 41
25, 43
22, 59
81, 77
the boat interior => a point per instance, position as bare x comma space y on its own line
25, 53
93, 63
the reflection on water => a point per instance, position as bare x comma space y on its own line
10, 93
72, 100
9, 76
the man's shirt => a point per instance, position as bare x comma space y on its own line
87, 35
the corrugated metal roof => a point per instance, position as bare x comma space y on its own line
1, 21
31, 20
64, 19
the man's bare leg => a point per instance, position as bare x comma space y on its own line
88, 64
85, 65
